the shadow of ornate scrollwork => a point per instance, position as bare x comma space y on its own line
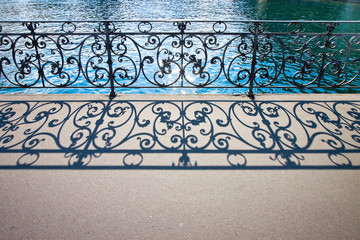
180, 134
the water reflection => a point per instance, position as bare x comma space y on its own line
170, 9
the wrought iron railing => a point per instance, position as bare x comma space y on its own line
248, 55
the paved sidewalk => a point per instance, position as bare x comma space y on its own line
179, 167
164, 131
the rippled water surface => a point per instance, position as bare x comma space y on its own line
70, 10
170, 9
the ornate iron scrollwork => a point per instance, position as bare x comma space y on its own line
180, 54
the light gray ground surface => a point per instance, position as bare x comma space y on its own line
290, 170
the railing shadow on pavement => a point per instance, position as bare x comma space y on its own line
179, 134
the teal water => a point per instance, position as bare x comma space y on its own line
70, 10
170, 9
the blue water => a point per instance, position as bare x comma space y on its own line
70, 10
175, 9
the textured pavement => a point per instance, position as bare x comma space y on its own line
176, 167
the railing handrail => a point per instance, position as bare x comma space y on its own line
184, 20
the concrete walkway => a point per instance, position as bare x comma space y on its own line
180, 167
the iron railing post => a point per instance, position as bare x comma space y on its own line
327, 45
109, 61
182, 27
253, 61
32, 27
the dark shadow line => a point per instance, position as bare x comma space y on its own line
242, 98
234, 168
195, 151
